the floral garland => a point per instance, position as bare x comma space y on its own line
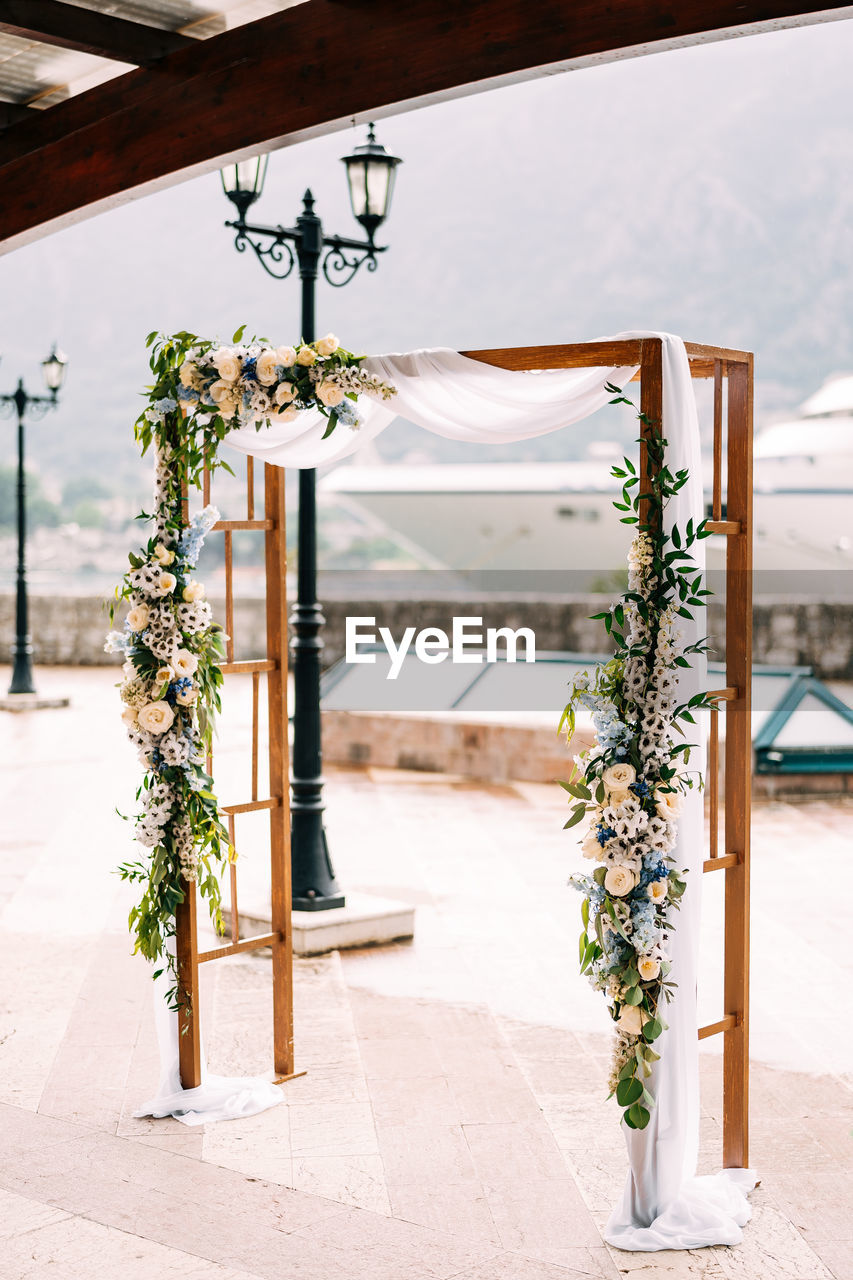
172, 646
630, 785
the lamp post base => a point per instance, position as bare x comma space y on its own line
31, 702
314, 885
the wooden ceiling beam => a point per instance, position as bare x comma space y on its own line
317, 66
13, 113
67, 26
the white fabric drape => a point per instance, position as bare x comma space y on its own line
217, 1097
664, 1205
447, 394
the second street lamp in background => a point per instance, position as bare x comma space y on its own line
19, 403
282, 250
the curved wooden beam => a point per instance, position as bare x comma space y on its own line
315, 67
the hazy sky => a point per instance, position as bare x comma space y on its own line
622, 196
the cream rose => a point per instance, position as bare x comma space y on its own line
137, 619
156, 717
185, 663
193, 591
619, 881
285, 356
284, 393
590, 847
186, 697
129, 717
615, 798
265, 367
668, 804
129, 668
329, 395
227, 365
224, 395
648, 968
306, 356
190, 375
658, 889
166, 583
163, 555
327, 346
619, 777
632, 1019
287, 414
164, 673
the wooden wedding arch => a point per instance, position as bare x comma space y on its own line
732, 376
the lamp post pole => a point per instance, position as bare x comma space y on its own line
314, 885
19, 403
280, 251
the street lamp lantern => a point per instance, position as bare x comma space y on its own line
243, 182
307, 249
370, 174
53, 369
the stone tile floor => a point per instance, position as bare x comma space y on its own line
452, 1123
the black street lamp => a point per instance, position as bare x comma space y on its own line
281, 250
21, 403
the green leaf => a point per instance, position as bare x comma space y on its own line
629, 1091
637, 1116
238, 336
634, 995
577, 815
577, 789
652, 1029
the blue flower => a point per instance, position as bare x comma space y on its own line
639, 788
249, 369
166, 405
187, 393
603, 834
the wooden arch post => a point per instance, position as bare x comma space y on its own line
732, 374
273, 667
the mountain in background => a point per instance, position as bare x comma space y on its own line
705, 191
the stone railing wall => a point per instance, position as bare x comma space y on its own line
69, 630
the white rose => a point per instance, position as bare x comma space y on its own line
185, 663
224, 395
632, 1019
129, 717
285, 356
329, 395
658, 890
156, 717
648, 968
129, 668
668, 804
193, 591
619, 777
166, 583
327, 346
287, 415
306, 356
164, 673
137, 619
265, 367
163, 555
227, 365
284, 393
186, 697
619, 881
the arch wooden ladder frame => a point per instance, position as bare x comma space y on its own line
277, 802
732, 374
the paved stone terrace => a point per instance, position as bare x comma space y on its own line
452, 1124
